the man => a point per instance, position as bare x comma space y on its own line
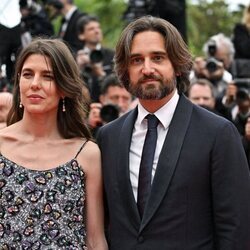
115, 101
94, 60
174, 12
217, 65
34, 22
221, 48
200, 183
68, 29
201, 92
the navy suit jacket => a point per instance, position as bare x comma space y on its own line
200, 196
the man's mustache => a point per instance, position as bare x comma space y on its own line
149, 77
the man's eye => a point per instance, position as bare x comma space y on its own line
158, 58
136, 60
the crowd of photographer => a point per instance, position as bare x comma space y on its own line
226, 65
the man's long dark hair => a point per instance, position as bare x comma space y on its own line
175, 46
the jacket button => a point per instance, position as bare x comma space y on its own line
140, 239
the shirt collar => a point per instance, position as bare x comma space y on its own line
164, 114
70, 13
87, 49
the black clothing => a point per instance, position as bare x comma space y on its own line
70, 36
92, 81
10, 42
241, 41
37, 24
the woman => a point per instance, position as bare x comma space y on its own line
50, 175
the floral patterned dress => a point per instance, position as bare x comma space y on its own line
42, 209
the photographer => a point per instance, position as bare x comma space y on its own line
241, 41
221, 48
115, 100
34, 21
10, 34
241, 36
216, 66
241, 110
241, 117
68, 27
94, 60
246, 140
215, 74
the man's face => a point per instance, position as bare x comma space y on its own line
222, 54
92, 33
151, 72
118, 96
202, 96
244, 106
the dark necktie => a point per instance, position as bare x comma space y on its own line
147, 158
63, 27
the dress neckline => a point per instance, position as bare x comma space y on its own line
52, 169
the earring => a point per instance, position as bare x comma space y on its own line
63, 105
20, 105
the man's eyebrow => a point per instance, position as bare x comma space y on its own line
153, 53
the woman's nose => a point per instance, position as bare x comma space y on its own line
36, 82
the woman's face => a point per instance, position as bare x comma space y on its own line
38, 90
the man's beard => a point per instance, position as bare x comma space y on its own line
152, 91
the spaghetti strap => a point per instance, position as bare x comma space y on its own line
80, 149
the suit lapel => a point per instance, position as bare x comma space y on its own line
123, 176
168, 157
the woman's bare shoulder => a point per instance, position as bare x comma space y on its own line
90, 149
9, 132
89, 155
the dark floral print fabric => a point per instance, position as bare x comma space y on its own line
42, 209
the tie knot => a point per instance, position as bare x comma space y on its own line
152, 121
63, 20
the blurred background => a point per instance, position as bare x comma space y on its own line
203, 18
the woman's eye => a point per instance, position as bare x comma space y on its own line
48, 77
27, 75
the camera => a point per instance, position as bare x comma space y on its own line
242, 83
54, 3
109, 112
96, 56
137, 8
212, 64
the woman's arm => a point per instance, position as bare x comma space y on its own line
90, 157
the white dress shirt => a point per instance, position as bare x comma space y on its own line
10, 15
165, 115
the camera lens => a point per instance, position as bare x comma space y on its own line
212, 65
109, 112
96, 56
212, 48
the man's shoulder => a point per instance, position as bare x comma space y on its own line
209, 118
77, 14
117, 123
